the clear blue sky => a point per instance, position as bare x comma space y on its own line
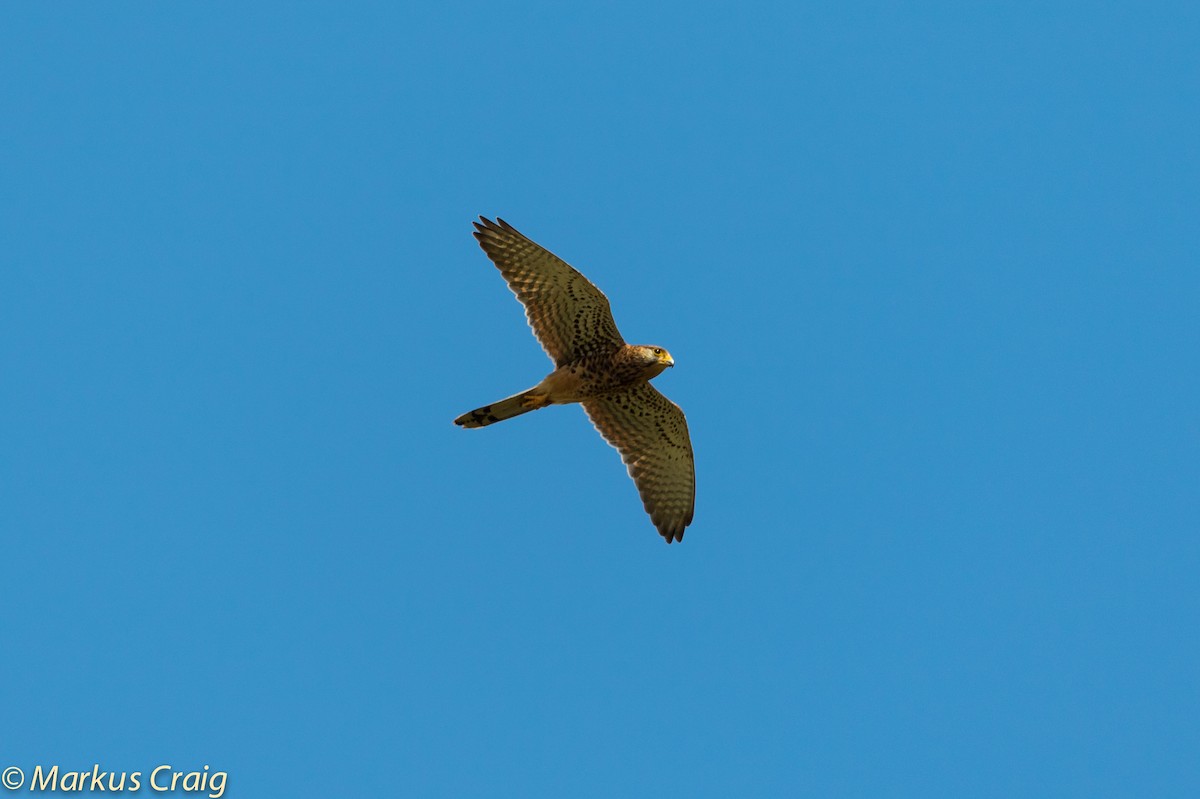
930, 275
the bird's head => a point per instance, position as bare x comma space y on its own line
654, 359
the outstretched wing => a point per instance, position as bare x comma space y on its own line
651, 434
569, 316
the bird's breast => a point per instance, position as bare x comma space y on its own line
586, 378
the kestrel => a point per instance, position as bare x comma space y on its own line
596, 368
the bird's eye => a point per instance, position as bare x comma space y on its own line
657, 351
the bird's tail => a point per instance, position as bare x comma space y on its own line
515, 405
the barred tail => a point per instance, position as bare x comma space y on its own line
515, 405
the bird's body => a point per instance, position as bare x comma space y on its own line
585, 378
594, 366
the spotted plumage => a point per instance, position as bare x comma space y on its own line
594, 366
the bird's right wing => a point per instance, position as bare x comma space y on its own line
569, 315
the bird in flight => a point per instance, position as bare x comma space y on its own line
596, 368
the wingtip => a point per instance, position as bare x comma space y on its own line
670, 536
494, 230
498, 224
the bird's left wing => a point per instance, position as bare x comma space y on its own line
651, 434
